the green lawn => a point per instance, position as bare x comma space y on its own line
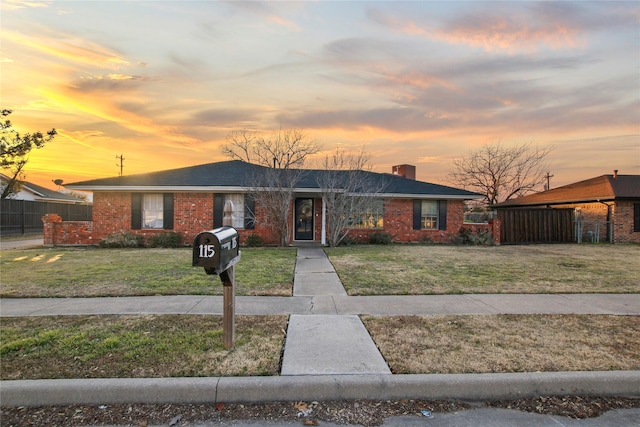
72, 272
445, 269
138, 346
364, 270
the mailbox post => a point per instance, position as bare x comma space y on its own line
218, 251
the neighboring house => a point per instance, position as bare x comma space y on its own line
605, 208
29, 191
192, 199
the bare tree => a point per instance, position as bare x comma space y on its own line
501, 173
14, 149
284, 149
282, 154
349, 190
273, 191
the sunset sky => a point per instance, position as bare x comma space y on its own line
163, 82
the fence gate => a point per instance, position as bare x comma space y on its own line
536, 225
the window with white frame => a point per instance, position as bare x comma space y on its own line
233, 211
152, 211
372, 217
429, 215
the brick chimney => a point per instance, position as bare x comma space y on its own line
615, 173
405, 171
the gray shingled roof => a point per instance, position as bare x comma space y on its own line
44, 193
236, 174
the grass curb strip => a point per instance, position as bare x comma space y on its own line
474, 387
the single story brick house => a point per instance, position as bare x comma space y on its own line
605, 208
193, 199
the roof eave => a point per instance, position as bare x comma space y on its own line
239, 189
158, 188
557, 202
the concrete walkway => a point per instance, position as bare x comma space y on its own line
326, 344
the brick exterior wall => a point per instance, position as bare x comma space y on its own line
193, 213
111, 214
71, 233
398, 222
623, 223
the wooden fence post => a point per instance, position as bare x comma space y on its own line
228, 307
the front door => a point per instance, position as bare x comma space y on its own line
304, 219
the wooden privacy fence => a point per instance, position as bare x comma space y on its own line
536, 225
25, 216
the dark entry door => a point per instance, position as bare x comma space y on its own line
304, 219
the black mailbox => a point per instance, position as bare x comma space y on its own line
216, 250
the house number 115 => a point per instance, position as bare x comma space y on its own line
206, 251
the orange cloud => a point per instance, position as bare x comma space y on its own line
71, 100
80, 137
418, 80
68, 48
494, 33
283, 22
500, 34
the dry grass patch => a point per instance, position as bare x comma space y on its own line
138, 346
507, 343
445, 269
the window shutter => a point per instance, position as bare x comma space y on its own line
136, 211
417, 214
218, 210
249, 210
442, 215
167, 208
636, 217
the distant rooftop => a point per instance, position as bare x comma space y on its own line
602, 188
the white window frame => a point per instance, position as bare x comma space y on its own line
429, 215
373, 218
152, 211
234, 210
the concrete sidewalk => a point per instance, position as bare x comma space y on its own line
328, 355
419, 305
10, 243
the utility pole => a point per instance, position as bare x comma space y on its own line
121, 163
548, 176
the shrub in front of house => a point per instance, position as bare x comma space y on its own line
466, 236
254, 241
425, 240
164, 240
380, 238
121, 240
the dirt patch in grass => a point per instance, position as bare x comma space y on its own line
138, 346
92, 272
445, 269
507, 343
